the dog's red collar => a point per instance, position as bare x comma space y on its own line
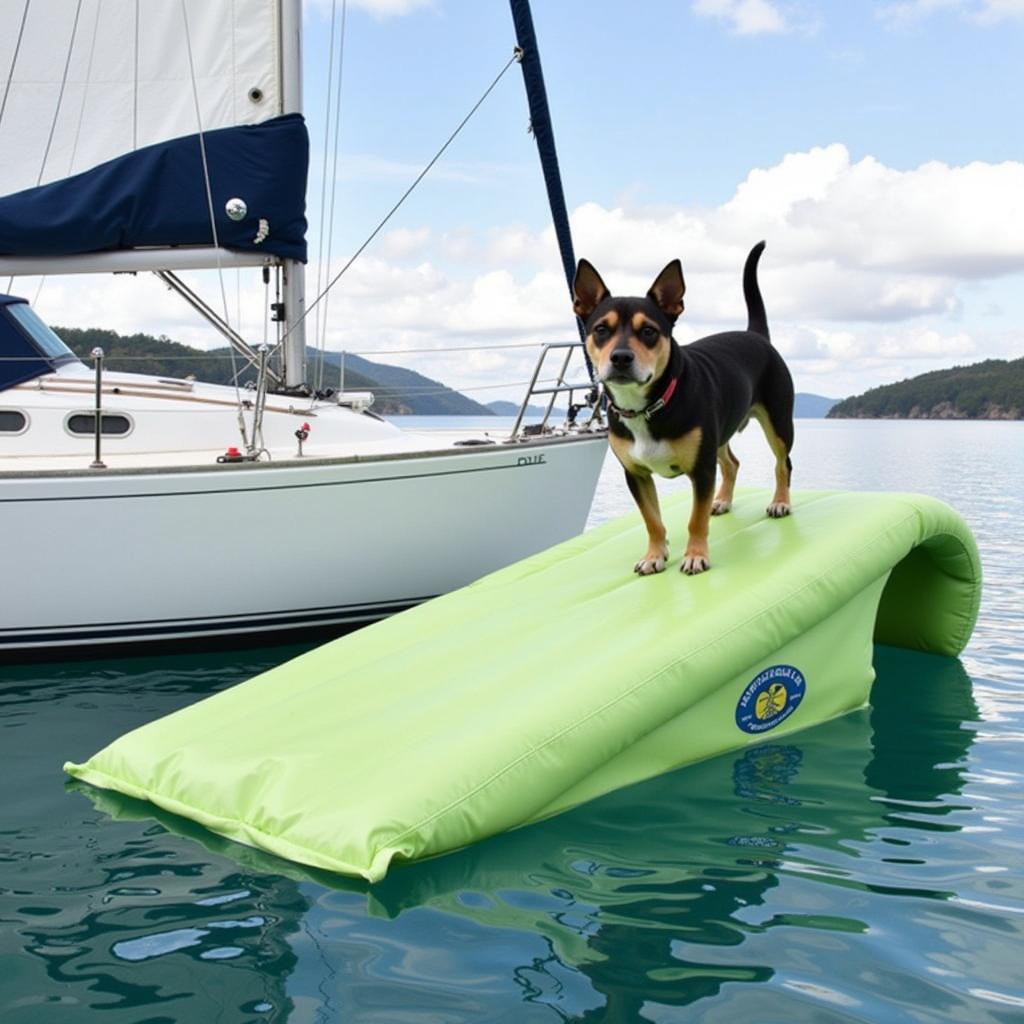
654, 407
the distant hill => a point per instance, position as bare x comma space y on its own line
991, 390
809, 406
396, 390
512, 409
417, 394
143, 353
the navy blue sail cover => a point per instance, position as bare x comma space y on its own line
28, 348
156, 196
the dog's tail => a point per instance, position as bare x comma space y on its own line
757, 320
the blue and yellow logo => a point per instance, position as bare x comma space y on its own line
770, 698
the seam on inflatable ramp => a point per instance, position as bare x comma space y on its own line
433, 816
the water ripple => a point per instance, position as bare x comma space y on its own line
871, 869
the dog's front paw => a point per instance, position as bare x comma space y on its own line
719, 507
779, 509
695, 563
652, 562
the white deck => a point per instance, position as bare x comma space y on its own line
177, 424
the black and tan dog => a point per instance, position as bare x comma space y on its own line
673, 408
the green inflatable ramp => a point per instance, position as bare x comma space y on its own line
559, 678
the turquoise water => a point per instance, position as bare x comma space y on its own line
870, 869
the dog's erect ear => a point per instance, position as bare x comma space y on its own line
668, 290
588, 290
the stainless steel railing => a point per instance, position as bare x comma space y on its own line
560, 387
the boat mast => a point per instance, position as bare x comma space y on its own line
294, 272
544, 134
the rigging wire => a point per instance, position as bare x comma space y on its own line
213, 219
135, 85
10, 80
85, 87
56, 115
334, 188
234, 120
405, 195
60, 94
81, 117
266, 306
206, 166
14, 59
320, 276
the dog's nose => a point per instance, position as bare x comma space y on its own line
622, 358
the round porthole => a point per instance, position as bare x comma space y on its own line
13, 421
112, 424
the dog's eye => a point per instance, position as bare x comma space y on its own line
648, 333
601, 333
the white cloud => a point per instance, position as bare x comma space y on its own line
391, 8
126, 304
378, 8
934, 219
905, 11
403, 243
983, 12
459, 246
997, 10
848, 240
512, 245
870, 272
907, 342
745, 17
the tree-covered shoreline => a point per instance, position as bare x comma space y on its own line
396, 390
989, 390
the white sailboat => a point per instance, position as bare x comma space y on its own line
166, 136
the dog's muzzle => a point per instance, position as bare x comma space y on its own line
622, 360
621, 367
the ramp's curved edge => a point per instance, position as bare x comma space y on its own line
933, 595
807, 590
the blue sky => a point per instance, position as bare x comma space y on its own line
889, 128
875, 145
701, 102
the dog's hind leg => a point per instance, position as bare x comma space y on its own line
646, 496
729, 465
778, 431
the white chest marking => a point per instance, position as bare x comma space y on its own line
656, 456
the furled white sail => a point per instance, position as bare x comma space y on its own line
83, 81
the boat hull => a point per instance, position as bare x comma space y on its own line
126, 557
